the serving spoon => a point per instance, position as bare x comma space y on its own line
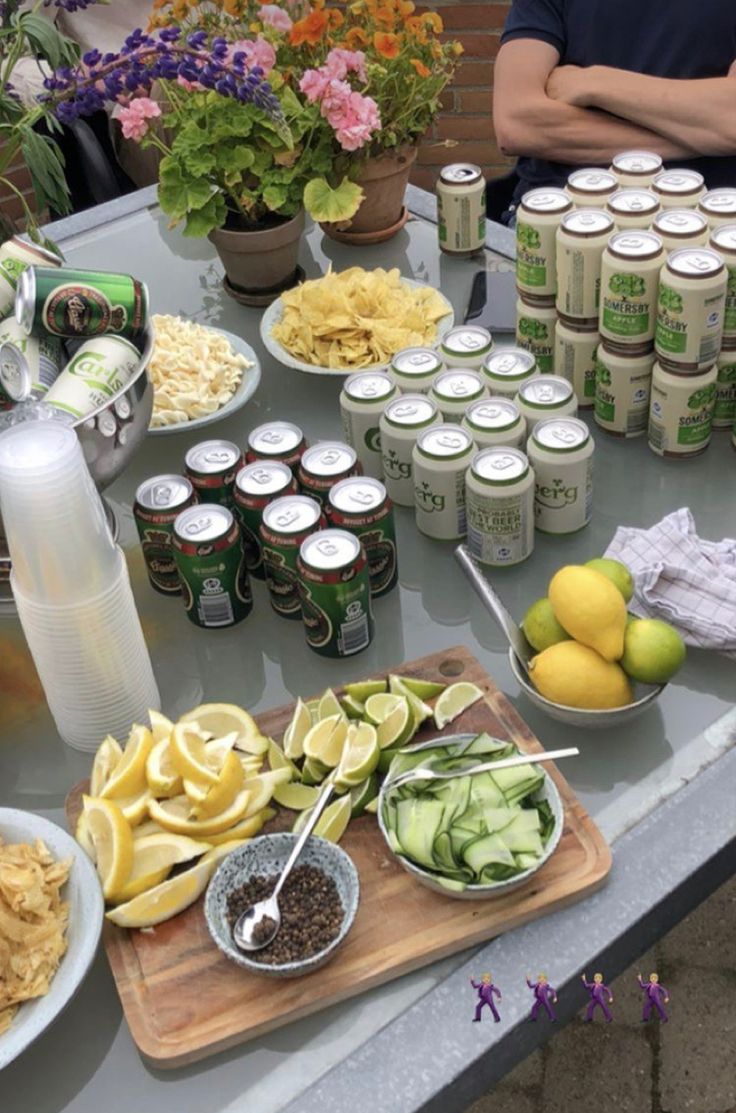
514, 634
426, 773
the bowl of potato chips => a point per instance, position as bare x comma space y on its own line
353, 320
51, 912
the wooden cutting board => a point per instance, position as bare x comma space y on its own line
184, 1000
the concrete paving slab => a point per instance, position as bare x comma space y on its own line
707, 937
504, 1100
696, 1072
602, 1067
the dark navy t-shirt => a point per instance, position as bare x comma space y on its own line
662, 38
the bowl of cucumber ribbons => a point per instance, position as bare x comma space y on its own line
470, 837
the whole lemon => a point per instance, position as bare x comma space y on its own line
590, 608
541, 627
653, 651
616, 572
576, 676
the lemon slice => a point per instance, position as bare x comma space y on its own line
422, 689
221, 795
277, 759
454, 700
135, 808
220, 719
297, 730
128, 778
148, 827
189, 755
83, 837
380, 706
243, 829
353, 708
359, 756
261, 789
175, 815
334, 819
161, 727
216, 854
113, 842
296, 796
361, 689
329, 705
107, 757
398, 727
153, 858
165, 900
164, 779
217, 749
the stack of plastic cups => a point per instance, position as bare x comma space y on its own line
71, 587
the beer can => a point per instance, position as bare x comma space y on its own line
461, 209
413, 370
211, 467
362, 401
285, 524
724, 412
636, 169
622, 387
537, 221
16, 256
211, 564
97, 371
361, 506
77, 303
681, 412
500, 506
718, 206
441, 457
546, 396
630, 269
723, 240
535, 333
560, 451
590, 187
276, 440
466, 346
29, 367
454, 390
575, 350
632, 208
506, 369
495, 421
581, 241
679, 189
691, 310
325, 464
335, 595
256, 485
158, 503
400, 424
681, 228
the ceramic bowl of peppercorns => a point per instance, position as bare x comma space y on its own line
317, 903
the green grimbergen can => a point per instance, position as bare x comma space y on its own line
77, 303
361, 506
286, 523
256, 485
334, 589
211, 565
211, 467
158, 503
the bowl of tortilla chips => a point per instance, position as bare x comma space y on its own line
353, 320
51, 912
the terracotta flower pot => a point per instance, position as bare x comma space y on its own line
259, 261
382, 213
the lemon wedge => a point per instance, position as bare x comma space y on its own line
297, 730
135, 808
220, 719
83, 837
219, 796
128, 778
188, 753
107, 757
165, 900
153, 857
243, 829
175, 815
113, 842
164, 779
262, 788
161, 727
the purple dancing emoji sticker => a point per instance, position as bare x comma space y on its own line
598, 994
655, 995
544, 997
486, 992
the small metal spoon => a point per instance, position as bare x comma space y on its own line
246, 933
426, 773
514, 633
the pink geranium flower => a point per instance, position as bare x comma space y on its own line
134, 117
313, 84
341, 62
274, 16
334, 99
357, 121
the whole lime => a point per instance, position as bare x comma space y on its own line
616, 572
653, 651
541, 627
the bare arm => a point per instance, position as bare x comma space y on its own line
528, 121
701, 113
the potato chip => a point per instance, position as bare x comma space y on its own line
33, 920
354, 319
194, 371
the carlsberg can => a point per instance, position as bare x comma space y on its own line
454, 390
334, 592
681, 412
495, 421
211, 565
361, 506
544, 397
535, 332
500, 506
723, 240
400, 423
506, 369
441, 457
724, 412
72, 303
537, 220
158, 503
286, 523
692, 302
29, 366
575, 360
561, 452
581, 241
362, 401
623, 385
466, 346
256, 485
97, 371
630, 269
461, 209
16, 256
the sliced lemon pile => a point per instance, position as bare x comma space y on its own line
162, 775
153, 858
165, 900
106, 760
112, 839
128, 777
189, 755
219, 719
211, 800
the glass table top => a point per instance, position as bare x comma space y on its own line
620, 775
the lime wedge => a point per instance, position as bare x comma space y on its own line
312, 706
453, 701
380, 706
422, 689
359, 756
301, 820
353, 708
326, 739
333, 821
296, 796
387, 756
297, 730
363, 795
361, 689
419, 709
398, 727
371, 808
329, 705
277, 759
313, 772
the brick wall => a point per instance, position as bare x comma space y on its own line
10, 205
464, 130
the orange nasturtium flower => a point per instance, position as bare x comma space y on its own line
309, 30
336, 18
415, 27
387, 44
384, 14
420, 67
405, 8
356, 38
433, 21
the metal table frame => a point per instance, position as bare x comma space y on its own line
664, 866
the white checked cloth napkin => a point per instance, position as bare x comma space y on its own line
682, 579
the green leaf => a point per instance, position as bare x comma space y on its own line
45, 163
179, 194
235, 159
323, 203
202, 221
275, 197
47, 42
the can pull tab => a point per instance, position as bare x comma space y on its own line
469, 341
450, 440
287, 518
271, 436
419, 359
217, 456
503, 463
490, 412
459, 388
701, 262
407, 410
161, 494
565, 436
544, 393
361, 497
507, 363
327, 548
198, 525
260, 475
330, 457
